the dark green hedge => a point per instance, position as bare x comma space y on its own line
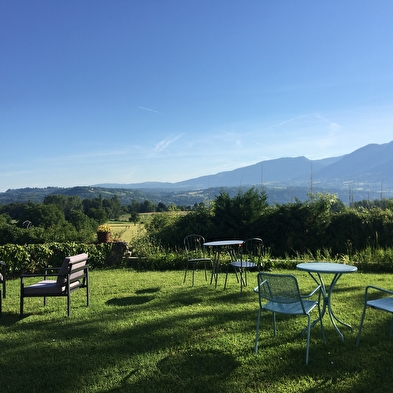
34, 257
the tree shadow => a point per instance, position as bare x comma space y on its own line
129, 301
199, 371
148, 290
134, 300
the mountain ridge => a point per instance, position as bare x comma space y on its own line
366, 173
369, 165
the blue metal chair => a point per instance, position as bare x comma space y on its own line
383, 303
280, 293
250, 257
193, 245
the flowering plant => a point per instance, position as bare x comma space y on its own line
103, 228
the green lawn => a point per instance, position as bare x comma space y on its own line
147, 332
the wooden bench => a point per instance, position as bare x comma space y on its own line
72, 275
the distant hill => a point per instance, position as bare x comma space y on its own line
371, 164
366, 173
368, 166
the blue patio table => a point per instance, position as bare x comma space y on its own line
315, 270
218, 246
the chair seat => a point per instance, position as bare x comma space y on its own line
290, 308
47, 287
385, 304
243, 264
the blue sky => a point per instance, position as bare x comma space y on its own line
128, 91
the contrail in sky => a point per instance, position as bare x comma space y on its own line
150, 110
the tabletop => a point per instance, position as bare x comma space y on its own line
223, 243
326, 267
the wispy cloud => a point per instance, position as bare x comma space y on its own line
162, 145
288, 121
149, 110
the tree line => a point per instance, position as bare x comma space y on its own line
321, 223
62, 218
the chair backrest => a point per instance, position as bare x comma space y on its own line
278, 288
76, 261
193, 245
252, 250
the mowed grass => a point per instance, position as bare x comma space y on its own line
149, 332
126, 231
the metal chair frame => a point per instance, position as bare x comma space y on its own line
383, 304
196, 255
280, 293
250, 258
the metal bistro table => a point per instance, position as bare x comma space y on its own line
315, 269
218, 246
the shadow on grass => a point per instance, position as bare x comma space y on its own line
194, 365
134, 300
155, 345
147, 290
8, 319
129, 301
184, 371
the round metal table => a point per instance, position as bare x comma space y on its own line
316, 269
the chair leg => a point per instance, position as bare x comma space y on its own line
237, 275
320, 318
68, 304
361, 325
274, 324
185, 275
243, 277
308, 337
226, 278
257, 332
87, 289
21, 306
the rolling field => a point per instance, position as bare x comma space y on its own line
126, 230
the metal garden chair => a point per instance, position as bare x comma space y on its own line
250, 257
3, 284
280, 293
70, 276
383, 303
193, 245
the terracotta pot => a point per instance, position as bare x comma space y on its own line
103, 237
